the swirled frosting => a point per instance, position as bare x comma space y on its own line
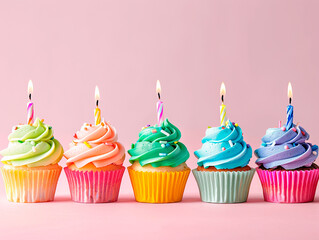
96, 144
32, 146
286, 148
224, 148
159, 146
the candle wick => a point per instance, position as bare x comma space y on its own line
223, 99
30, 96
159, 96
97, 103
290, 100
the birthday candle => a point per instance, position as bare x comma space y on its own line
223, 117
159, 105
97, 111
290, 109
30, 105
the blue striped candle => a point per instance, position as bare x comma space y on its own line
290, 116
290, 109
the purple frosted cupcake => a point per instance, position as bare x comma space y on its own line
287, 170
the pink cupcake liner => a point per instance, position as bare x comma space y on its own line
289, 186
94, 186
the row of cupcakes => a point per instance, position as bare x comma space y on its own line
158, 172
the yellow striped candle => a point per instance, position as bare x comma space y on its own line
97, 111
223, 117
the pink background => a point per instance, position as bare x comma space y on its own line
68, 47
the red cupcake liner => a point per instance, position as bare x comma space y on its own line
94, 186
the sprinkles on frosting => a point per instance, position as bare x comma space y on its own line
88, 145
164, 132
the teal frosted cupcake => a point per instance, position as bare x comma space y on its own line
223, 174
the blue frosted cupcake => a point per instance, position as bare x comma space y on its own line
223, 174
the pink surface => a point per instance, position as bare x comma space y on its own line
68, 47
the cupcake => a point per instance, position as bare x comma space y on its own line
159, 172
286, 169
31, 169
95, 164
223, 174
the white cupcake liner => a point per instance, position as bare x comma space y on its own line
224, 187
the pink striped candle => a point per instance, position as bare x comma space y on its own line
30, 106
159, 105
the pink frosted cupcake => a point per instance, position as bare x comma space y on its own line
95, 164
287, 170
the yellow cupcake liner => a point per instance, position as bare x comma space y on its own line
158, 187
28, 185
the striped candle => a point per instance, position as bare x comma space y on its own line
160, 117
97, 111
97, 116
290, 109
223, 115
222, 109
159, 105
30, 110
290, 116
30, 105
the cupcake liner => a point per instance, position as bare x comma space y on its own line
29, 186
224, 187
158, 187
94, 186
289, 186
